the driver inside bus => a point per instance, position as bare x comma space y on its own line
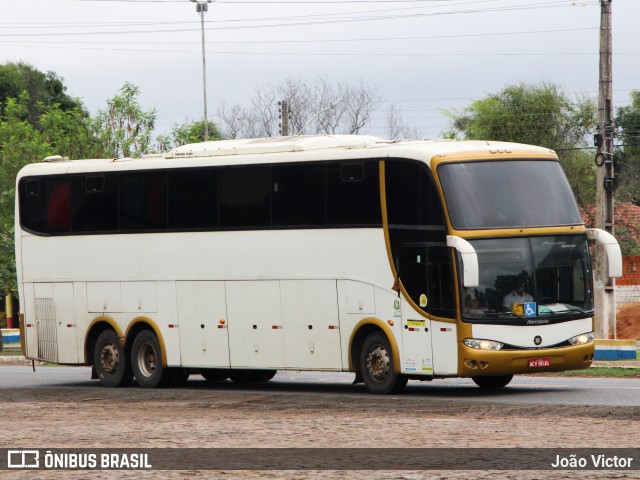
517, 295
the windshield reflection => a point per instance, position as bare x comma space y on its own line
537, 277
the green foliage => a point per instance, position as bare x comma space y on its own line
124, 129
627, 164
43, 89
538, 115
184, 133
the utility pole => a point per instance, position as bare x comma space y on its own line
202, 6
605, 300
284, 117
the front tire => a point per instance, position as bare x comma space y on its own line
110, 360
492, 382
146, 361
377, 366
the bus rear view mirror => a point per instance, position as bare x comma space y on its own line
611, 246
469, 260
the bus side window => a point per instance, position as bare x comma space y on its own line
193, 199
143, 201
33, 209
412, 270
245, 197
299, 195
95, 203
440, 284
59, 205
353, 194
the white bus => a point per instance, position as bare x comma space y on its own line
235, 259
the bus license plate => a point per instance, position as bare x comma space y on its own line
539, 362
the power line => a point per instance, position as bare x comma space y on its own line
333, 40
218, 23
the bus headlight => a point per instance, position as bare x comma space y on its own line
582, 339
482, 344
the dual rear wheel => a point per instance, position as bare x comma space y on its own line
115, 368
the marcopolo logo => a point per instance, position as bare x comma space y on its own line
23, 459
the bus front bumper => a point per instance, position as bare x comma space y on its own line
480, 363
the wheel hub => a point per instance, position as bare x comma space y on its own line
147, 359
378, 363
109, 358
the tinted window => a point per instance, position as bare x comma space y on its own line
299, 195
143, 201
503, 194
353, 194
412, 198
193, 199
245, 197
95, 203
59, 205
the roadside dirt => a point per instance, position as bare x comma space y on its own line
628, 322
211, 416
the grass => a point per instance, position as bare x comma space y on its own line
11, 351
600, 372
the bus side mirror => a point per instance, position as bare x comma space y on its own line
469, 260
611, 246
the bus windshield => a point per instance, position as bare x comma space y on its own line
545, 278
508, 194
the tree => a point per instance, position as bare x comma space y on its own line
397, 128
57, 131
539, 115
124, 129
319, 107
188, 132
43, 90
627, 160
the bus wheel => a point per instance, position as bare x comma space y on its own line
493, 382
250, 376
110, 361
146, 361
377, 366
215, 374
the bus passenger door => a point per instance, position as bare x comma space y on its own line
202, 324
417, 355
55, 322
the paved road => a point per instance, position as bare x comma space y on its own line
523, 390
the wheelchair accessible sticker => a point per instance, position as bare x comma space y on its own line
530, 309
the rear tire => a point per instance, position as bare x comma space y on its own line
146, 361
377, 366
493, 382
110, 360
251, 376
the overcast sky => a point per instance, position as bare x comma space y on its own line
423, 55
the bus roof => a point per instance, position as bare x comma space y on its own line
304, 148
